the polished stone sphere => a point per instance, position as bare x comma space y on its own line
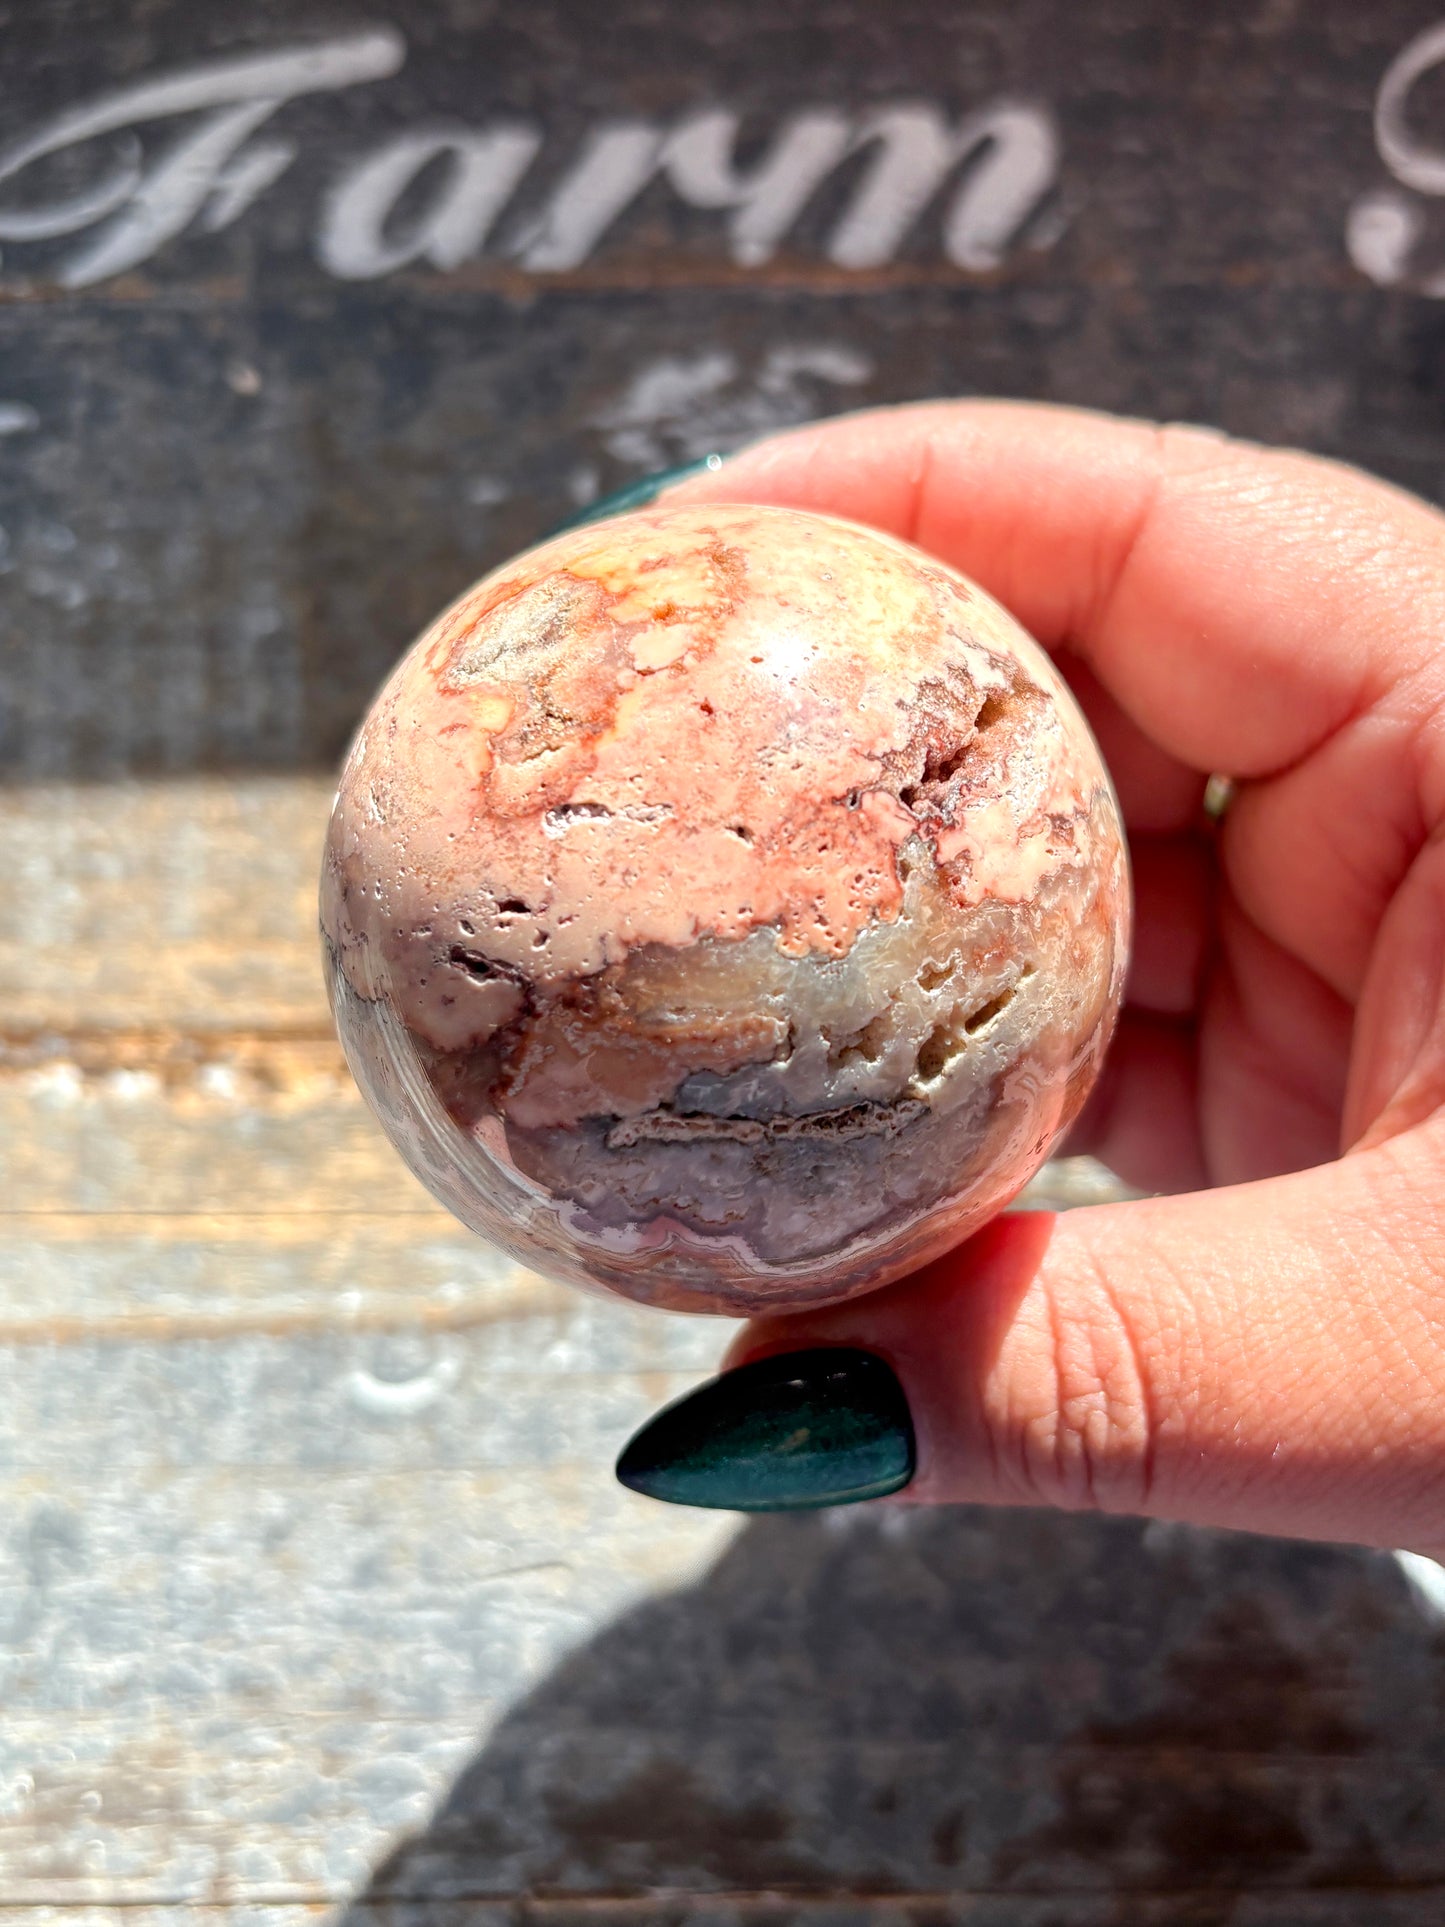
725, 905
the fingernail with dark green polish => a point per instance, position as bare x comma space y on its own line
800, 1429
636, 495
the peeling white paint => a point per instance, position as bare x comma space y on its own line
677, 408
401, 1398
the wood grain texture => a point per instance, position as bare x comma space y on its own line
183, 909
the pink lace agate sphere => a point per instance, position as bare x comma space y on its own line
725, 905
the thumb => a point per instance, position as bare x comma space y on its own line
1267, 1356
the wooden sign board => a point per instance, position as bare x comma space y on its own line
307, 316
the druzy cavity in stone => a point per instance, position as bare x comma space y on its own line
725, 905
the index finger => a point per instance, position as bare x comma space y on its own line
1239, 602
1254, 611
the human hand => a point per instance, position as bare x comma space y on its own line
1265, 1348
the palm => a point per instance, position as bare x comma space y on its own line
1231, 1054
1270, 1355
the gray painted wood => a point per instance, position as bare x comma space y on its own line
235, 477
268, 1631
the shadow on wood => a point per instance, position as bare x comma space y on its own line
1007, 1717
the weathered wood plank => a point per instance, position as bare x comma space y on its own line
224, 1667
278, 1597
123, 1143
272, 1617
186, 1914
261, 424
183, 909
1206, 1908
74, 1276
